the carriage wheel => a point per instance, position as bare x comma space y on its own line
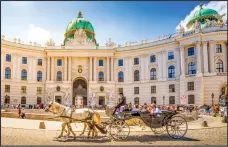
119, 130
176, 127
159, 130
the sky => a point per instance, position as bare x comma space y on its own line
121, 21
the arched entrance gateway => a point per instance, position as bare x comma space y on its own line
79, 92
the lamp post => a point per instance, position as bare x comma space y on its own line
163, 100
212, 98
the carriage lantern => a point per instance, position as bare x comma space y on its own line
212, 98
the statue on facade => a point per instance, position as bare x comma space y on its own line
3, 37
210, 23
110, 43
197, 25
181, 29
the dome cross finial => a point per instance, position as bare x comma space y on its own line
79, 14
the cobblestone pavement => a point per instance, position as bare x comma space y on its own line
214, 136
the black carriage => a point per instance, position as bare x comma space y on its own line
170, 121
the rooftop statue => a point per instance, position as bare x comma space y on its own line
181, 29
110, 43
197, 25
49, 43
210, 23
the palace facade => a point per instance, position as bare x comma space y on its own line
181, 68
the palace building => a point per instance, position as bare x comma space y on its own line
182, 68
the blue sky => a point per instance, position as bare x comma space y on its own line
121, 21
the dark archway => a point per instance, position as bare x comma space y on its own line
80, 88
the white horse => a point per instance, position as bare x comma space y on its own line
88, 116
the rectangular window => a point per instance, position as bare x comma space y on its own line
8, 58
7, 88
39, 62
120, 62
172, 100
136, 90
218, 48
191, 99
190, 86
39, 90
23, 89
136, 61
152, 59
59, 62
170, 55
24, 60
172, 88
191, 51
120, 90
153, 89
101, 63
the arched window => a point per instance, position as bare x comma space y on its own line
23, 74
39, 100
136, 75
192, 68
39, 76
23, 100
153, 100
7, 99
120, 76
59, 76
7, 73
153, 74
191, 99
219, 66
171, 71
136, 100
101, 76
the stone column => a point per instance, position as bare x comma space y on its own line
177, 58
126, 71
108, 69
14, 72
65, 68
164, 65
94, 69
130, 71
18, 67
112, 66
224, 48
31, 69
34, 71
90, 68
48, 68
159, 70
146, 69
212, 54
198, 58
205, 57
69, 68
52, 68
142, 67
3, 57
182, 61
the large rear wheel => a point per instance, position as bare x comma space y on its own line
176, 127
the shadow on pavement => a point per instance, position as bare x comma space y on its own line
141, 138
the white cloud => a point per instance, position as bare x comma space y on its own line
219, 6
37, 34
19, 3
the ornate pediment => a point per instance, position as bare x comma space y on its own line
80, 91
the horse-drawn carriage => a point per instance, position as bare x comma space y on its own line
116, 127
175, 125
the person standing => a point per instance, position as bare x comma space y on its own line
19, 110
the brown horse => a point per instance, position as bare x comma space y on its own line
88, 116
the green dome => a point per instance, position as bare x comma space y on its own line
79, 23
202, 13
